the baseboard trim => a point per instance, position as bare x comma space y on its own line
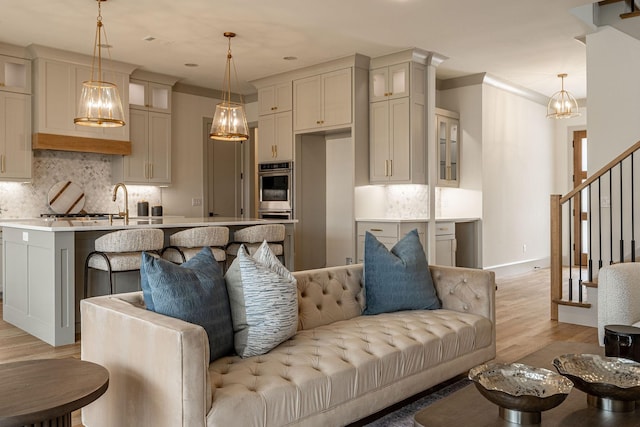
520, 267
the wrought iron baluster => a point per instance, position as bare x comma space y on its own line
610, 217
633, 216
599, 223
590, 225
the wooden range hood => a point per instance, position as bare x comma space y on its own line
48, 141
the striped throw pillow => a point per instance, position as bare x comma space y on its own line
264, 301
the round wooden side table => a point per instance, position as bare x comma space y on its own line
46, 391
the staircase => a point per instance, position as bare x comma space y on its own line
609, 207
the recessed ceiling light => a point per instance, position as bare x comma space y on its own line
148, 38
290, 58
191, 64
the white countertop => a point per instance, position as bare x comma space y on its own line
416, 219
45, 224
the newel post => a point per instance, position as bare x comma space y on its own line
556, 254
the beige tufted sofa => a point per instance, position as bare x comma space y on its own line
340, 367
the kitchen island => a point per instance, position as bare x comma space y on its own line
43, 263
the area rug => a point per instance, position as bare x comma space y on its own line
403, 417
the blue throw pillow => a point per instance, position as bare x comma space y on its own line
398, 279
195, 292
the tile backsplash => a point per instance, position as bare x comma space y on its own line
92, 172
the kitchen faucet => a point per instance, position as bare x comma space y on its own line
124, 214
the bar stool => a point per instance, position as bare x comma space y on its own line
121, 251
252, 237
186, 244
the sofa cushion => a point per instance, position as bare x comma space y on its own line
398, 279
264, 302
195, 292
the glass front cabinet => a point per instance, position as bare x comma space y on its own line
448, 137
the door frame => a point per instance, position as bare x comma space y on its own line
577, 177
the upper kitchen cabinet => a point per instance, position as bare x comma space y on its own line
15, 74
15, 114
58, 78
322, 101
397, 122
150, 96
275, 137
150, 131
448, 140
275, 122
275, 98
15, 137
389, 82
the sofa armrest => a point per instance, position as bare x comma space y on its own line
618, 296
158, 365
466, 289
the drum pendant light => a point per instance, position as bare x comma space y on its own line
562, 105
229, 119
99, 104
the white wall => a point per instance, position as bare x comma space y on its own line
187, 152
518, 166
613, 85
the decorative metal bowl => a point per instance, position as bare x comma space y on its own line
522, 392
608, 381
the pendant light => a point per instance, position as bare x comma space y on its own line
99, 104
562, 105
229, 119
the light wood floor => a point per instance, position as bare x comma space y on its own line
522, 314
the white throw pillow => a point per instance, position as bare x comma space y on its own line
264, 301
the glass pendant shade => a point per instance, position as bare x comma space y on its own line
229, 119
99, 104
562, 105
229, 123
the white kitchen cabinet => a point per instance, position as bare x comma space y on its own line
15, 74
275, 137
15, 137
322, 101
389, 140
388, 233
448, 139
150, 159
275, 98
58, 85
389, 82
150, 96
397, 140
446, 243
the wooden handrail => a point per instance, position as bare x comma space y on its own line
600, 172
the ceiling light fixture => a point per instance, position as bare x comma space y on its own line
229, 119
99, 104
562, 105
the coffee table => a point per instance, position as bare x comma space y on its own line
467, 407
46, 391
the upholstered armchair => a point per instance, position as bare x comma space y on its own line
618, 296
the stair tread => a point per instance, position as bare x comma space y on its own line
630, 14
572, 303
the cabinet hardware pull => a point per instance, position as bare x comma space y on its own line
275, 149
1, 84
376, 229
274, 108
317, 122
390, 167
2, 163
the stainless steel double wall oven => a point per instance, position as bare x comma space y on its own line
276, 190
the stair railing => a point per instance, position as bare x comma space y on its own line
610, 205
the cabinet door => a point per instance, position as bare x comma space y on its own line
136, 165
284, 136
398, 83
379, 155
447, 129
266, 138
159, 156
54, 94
389, 82
150, 95
307, 103
275, 99
336, 98
15, 139
400, 140
15, 74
